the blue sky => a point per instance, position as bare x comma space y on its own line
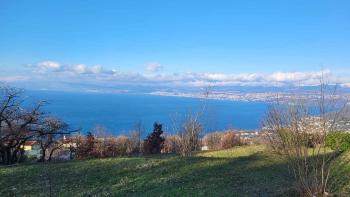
141, 38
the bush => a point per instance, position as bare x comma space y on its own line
172, 144
122, 144
90, 147
338, 141
190, 135
213, 141
86, 146
134, 144
224, 140
229, 140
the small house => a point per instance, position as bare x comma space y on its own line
32, 149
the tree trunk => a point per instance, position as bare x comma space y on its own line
43, 155
8, 157
50, 156
2, 153
51, 153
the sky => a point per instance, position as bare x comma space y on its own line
60, 44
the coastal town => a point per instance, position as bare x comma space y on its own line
252, 96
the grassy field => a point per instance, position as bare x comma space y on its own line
242, 171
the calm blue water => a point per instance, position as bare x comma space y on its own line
120, 112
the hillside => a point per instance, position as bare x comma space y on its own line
242, 171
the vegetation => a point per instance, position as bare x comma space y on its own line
222, 140
189, 134
19, 125
297, 135
86, 146
303, 161
154, 141
243, 171
172, 144
338, 141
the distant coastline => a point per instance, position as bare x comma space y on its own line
267, 97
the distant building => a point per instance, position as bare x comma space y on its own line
68, 143
247, 135
204, 148
32, 148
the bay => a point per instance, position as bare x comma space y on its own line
119, 113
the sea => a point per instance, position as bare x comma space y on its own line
121, 113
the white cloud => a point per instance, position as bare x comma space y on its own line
297, 76
48, 66
12, 78
153, 67
96, 69
79, 68
81, 73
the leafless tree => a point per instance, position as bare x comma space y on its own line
102, 140
17, 125
134, 146
222, 140
294, 132
172, 144
190, 135
51, 136
190, 128
213, 140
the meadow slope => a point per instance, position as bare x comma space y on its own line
241, 171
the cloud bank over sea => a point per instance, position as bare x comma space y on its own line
57, 75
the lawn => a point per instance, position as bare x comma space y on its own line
241, 171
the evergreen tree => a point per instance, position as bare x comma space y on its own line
154, 141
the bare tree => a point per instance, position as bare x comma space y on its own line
294, 132
134, 146
213, 140
17, 125
190, 135
192, 127
51, 136
189, 128
172, 144
102, 142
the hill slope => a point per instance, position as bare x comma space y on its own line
242, 171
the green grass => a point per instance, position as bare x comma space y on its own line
242, 171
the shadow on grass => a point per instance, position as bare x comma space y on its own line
253, 175
257, 174
340, 175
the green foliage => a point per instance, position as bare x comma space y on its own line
154, 141
338, 141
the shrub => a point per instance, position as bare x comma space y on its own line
229, 140
190, 135
86, 146
134, 143
338, 141
122, 143
213, 141
223, 140
172, 144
